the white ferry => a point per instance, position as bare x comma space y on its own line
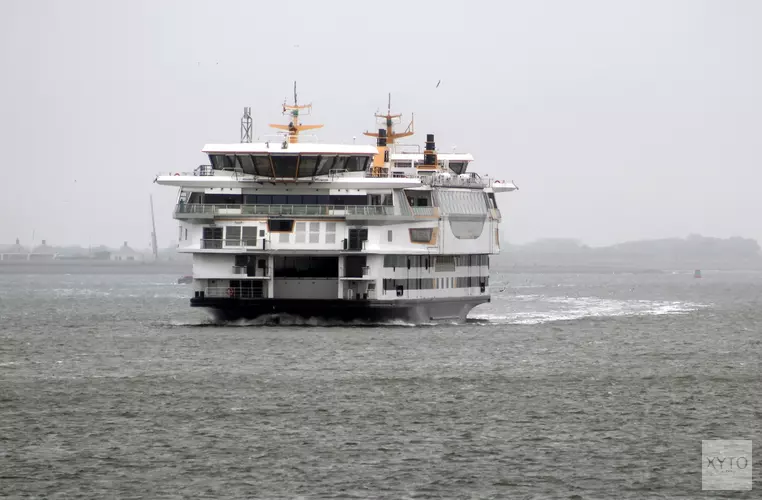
390, 231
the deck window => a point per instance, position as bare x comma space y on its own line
307, 166
330, 232
249, 235
325, 165
314, 232
458, 167
221, 162
280, 225
262, 165
284, 165
421, 235
357, 163
340, 165
246, 163
301, 228
232, 235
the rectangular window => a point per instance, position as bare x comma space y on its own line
389, 235
211, 237
232, 236
284, 165
421, 235
280, 225
444, 263
301, 232
249, 235
330, 232
284, 237
314, 232
186, 234
307, 165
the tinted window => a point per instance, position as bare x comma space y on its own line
282, 225
307, 166
357, 163
246, 163
262, 166
457, 167
279, 199
294, 199
325, 165
420, 235
285, 165
341, 163
309, 199
221, 162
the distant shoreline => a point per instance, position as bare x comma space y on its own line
95, 267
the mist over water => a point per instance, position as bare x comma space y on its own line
597, 385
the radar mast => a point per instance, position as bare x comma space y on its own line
294, 111
389, 120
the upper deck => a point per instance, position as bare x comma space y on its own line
286, 160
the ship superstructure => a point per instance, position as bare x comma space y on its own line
368, 232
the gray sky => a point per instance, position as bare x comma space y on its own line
618, 119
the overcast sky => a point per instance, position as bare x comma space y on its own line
617, 119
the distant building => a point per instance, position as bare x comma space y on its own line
14, 252
125, 253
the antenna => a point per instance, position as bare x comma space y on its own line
246, 125
294, 111
153, 234
389, 120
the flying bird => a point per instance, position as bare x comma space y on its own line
440, 81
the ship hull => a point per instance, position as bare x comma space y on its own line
415, 311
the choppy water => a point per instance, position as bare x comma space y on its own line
565, 386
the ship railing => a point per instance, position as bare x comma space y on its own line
235, 292
453, 180
209, 244
219, 244
404, 148
204, 171
439, 179
280, 138
191, 209
425, 211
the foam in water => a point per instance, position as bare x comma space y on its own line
550, 309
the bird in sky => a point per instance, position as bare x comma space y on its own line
440, 81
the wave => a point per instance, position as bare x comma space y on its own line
586, 307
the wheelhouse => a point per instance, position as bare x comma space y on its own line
292, 161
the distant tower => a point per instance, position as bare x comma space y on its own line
246, 125
154, 246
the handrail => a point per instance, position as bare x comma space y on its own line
235, 292
425, 210
306, 210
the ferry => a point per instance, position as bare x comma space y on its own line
377, 232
